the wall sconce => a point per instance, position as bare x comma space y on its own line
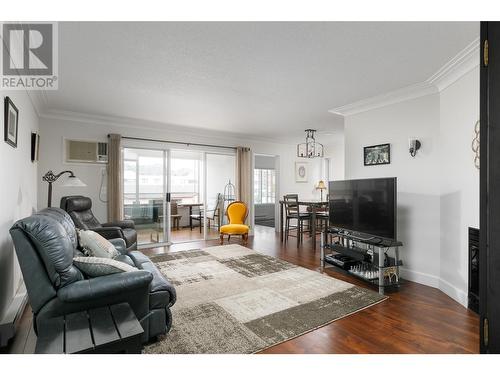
71, 181
414, 144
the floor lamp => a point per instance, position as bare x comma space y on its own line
71, 181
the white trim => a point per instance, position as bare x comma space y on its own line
180, 130
406, 93
452, 291
420, 277
38, 99
12, 314
276, 159
461, 64
458, 66
435, 282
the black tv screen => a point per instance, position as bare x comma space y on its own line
365, 206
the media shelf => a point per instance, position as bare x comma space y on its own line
371, 259
376, 282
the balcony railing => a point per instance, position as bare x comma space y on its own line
145, 208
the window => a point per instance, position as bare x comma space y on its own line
186, 176
264, 186
142, 176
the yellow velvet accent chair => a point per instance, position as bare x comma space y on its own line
237, 213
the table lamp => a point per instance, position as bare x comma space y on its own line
321, 186
71, 181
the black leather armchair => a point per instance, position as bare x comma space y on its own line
80, 210
46, 243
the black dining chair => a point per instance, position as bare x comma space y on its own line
293, 214
322, 220
322, 216
212, 214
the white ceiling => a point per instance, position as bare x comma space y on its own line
262, 79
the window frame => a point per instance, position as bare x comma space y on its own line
265, 177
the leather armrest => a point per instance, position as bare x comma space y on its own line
124, 224
103, 286
119, 244
109, 232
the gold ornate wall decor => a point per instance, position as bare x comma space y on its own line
475, 144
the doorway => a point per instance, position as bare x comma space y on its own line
265, 191
176, 195
489, 222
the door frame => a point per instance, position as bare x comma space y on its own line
205, 187
167, 149
166, 189
489, 218
277, 218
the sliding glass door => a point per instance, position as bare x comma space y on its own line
144, 192
220, 173
187, 202
165, 190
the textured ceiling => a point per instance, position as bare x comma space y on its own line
264, 79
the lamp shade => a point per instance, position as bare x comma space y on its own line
321, 185
73, 181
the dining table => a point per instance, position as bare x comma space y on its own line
314, 205
190, 205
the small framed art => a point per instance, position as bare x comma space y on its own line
11, 115
377, 155
301, 171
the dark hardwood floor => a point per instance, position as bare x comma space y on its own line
414, 319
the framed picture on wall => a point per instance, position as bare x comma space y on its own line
35, 147
377, 155
11, 115
301, 171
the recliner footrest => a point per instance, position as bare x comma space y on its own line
161, 292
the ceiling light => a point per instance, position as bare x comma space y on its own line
311, 148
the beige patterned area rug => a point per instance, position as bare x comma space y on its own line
231, 299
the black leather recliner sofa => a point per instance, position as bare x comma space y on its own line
46, 243
80, 210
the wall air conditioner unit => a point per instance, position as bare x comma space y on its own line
86, 151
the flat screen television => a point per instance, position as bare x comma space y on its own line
367, 207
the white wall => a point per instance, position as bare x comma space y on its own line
438, 190
53, 129
459, 181
418, 178
335, 152
264, 162
18, 191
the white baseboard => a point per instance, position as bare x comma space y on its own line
457, 294
435, 282
420, 277
12, 315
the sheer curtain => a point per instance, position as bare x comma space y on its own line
244, 176
115, 178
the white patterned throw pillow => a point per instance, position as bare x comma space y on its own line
95, 245
94, 266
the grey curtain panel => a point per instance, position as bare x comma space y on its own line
244, 176
115, 178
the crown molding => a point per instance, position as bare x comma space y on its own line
458, 66
140, 124
39, 100
406, 93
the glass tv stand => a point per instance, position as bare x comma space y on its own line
372, 259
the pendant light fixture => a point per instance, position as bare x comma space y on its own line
311, 148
